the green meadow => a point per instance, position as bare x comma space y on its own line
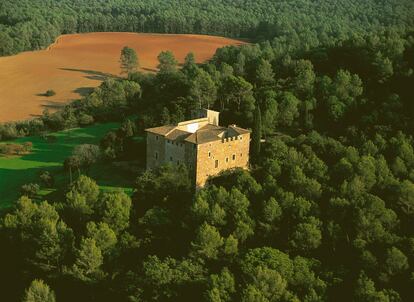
49, 154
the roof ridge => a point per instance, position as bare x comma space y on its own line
168, 132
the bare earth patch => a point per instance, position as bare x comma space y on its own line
76, 63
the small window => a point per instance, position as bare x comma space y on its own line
171, 158
227, 159
209, 154
241, 154
156, 155
241, 137
156, 137
234, 156
216, 163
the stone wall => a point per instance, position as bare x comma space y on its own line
190, 159
214, 157
202, 160
155, 145
174, 152
169, 152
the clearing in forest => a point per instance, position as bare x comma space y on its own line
48, 154
76, 63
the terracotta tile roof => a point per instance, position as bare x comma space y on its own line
239, 130
163, 130
177, 135
205, 134
212, 127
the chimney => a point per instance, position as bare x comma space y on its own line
213, 116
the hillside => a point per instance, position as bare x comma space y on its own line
75, 64
324, 212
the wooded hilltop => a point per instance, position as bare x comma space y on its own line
326, 212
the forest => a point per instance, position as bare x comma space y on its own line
324, 214
34, 24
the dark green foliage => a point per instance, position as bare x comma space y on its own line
30, 190
87, 266
326, 213
37, 232
39, 292
221, 286
35, 24
46, 178
167, 61
257, 133
116, 207
163, 276
128, 60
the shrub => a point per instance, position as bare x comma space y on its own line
30, 190
85, 119
27, 146
46, 178
15, 149
50, 92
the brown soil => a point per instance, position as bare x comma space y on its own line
76, 63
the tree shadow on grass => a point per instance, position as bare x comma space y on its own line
46, 155
54, 105
149, 69
84, 91
44, 94
11, 181
91, 74
58, 149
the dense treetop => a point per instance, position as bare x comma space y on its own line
34, 24
324, 214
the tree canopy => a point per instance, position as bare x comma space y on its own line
325, 212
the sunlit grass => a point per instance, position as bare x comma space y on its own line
49, 154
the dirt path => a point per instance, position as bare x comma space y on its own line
76, 63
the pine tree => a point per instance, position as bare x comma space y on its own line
87, 266
257, 132
39, 292
167, 61
129, 60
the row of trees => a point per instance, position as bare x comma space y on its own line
358, 85
34, 24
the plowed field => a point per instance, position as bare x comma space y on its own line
76, 63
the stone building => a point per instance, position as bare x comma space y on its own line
201, 144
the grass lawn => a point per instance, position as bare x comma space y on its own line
49, 155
